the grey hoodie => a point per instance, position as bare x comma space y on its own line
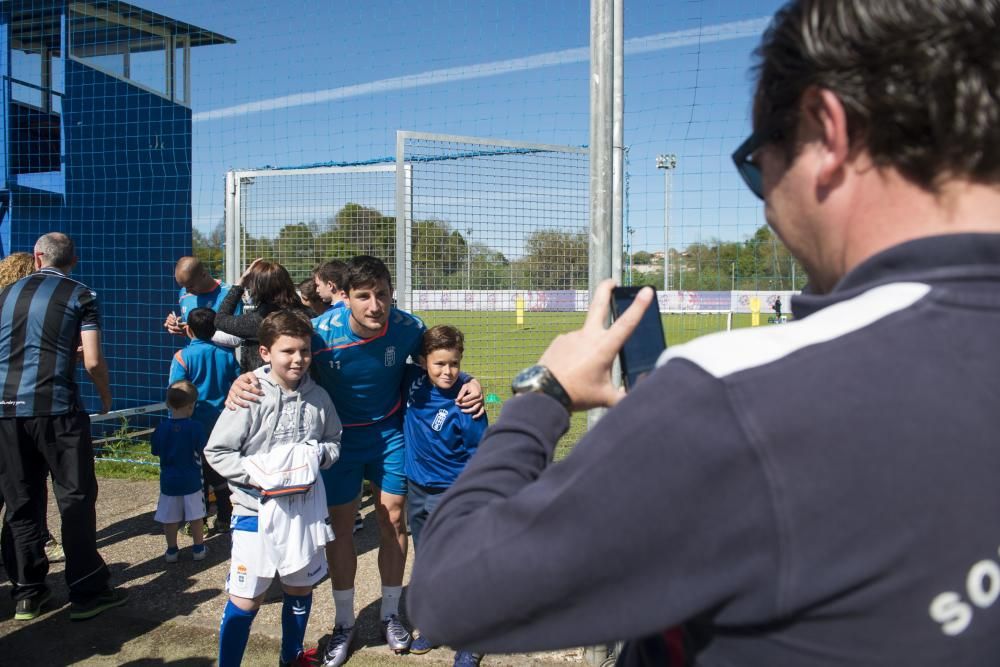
279, 418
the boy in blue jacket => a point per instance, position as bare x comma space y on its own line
179, 442
440, 438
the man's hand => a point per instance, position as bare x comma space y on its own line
173, 325
244, 391
581, 360
470, 399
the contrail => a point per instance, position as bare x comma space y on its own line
668, 40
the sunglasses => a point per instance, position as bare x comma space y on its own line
745, 164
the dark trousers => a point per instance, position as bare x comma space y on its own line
30, 447
420, 502
216, 482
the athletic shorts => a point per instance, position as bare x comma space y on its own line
174, 509
249, 578
372, 452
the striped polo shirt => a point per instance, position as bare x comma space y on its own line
41, 317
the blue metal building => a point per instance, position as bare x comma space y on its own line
95, 129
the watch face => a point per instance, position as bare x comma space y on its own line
528, 378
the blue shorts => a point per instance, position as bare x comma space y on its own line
372, 452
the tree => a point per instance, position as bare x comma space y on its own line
556, 260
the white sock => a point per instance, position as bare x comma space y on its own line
343, 602
390, 601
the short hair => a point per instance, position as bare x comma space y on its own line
181, 394
366, 271
191, 266
57, 250
269, 283
284, 323
442, 337
307, 289
919, 81
333, 271
202, 323
15, 266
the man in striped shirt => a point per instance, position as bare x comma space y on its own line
45, 319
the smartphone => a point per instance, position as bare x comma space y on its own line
639, 354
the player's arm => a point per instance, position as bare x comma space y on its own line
178, 370
243, 392
470, 397
96, 366
224, 449
332, 432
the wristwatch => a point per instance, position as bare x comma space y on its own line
539, 379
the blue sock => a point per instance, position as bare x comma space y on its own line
294, 617
234, 632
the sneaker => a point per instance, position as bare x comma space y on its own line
421, 645
113, 597
396, 635
171, 554
199, 551
307, 658
467, 659
54, 551
338, 649
29, 608
359, 523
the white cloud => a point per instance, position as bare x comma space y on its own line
667, 40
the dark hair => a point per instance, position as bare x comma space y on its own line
307, 288
181, 394
202, 323
366, 271
442, 337
284, 323
333, 271
919, 81
269, 283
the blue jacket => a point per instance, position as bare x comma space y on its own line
440, 438
179, 443
212, 369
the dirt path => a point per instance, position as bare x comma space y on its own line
173, 613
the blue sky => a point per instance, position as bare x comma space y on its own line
316, 81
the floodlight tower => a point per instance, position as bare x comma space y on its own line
666, 162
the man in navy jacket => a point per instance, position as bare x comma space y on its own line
820, 493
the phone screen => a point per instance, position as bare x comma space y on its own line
639, 354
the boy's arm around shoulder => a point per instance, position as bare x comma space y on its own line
224, 450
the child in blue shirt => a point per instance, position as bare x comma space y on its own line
179, 442
211, 368
440, 438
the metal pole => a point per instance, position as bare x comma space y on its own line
734, 276
468, 261
618, 142
402, 286
667, 163
601, 140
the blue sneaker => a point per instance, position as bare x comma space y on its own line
199, 551
422, 645
467, 659
171, 554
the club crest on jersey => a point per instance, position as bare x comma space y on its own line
439, 418
390, 356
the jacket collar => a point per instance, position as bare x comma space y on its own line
929, 260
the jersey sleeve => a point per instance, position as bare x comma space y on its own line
90, 316
178, 368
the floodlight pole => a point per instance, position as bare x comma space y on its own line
667, 163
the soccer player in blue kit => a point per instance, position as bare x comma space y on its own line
360, 356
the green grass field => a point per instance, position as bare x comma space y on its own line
496, 348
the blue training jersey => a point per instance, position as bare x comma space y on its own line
211, 369
179, 443
188, 301
364, 376
440, 438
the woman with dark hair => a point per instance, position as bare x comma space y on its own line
271, 289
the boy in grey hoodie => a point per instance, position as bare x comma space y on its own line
294, 421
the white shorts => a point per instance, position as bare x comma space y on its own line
248, 578
174, 509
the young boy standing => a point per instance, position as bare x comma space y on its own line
211, 368
273, 533
440, 438
179, 441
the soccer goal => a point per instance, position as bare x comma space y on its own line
681, 326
